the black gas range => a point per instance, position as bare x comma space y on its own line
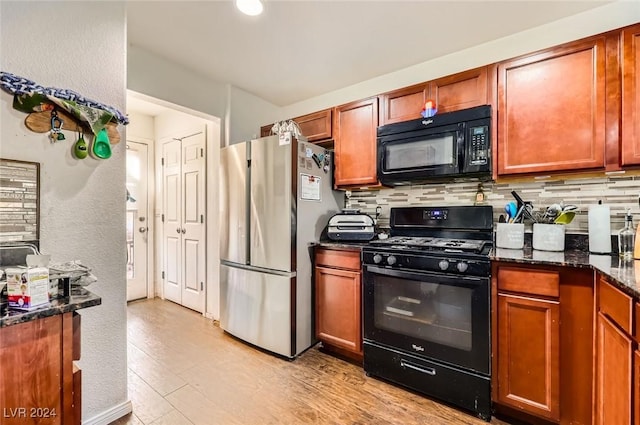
426, 304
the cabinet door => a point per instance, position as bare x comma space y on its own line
31, 372
529, 355
338, 308
403, 104
613, 374
631, 95
354, 129
460, 91
315, 126
551, 114
265, 130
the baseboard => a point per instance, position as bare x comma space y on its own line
113, 414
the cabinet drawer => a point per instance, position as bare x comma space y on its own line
615, 304
338, 259
529, 281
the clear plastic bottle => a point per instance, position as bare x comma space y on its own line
626, 238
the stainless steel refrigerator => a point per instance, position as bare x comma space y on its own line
276, 198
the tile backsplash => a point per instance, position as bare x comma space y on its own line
619, 192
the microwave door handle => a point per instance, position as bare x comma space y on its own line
461, 148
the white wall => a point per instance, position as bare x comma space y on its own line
595, 21
241, 112
246, 114
140, 127
80, 46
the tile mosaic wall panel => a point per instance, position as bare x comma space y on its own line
19, 200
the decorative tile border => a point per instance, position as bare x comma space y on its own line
619, 192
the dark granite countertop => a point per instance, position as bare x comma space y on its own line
624, 274
80, 298
342, 245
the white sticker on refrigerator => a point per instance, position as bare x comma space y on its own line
309, 187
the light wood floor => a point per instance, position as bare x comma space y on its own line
185, 370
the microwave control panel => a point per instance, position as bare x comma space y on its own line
479, 146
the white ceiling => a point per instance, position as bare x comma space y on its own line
297, 50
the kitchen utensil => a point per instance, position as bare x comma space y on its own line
101, 147
511, 210
519, 213
80, 149
565, 217
553, 211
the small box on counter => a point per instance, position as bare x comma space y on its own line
27, 288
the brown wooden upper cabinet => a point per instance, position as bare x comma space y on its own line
315, 126
551, 109
354, 133
454, 92
631, 95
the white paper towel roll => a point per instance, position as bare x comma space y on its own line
600, 229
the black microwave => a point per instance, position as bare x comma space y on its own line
446, 146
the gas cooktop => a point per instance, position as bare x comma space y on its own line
432, 244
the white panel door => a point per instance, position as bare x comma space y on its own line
184, 229
172, 234
137, 221
193, 230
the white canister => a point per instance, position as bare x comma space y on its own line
599, 229
548, 237
510, 235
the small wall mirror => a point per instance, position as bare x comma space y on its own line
19, 201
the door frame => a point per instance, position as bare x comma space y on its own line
151, 252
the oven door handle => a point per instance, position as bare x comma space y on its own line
428, 371
421, 275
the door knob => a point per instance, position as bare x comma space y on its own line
184, 230
178, 230
142, 229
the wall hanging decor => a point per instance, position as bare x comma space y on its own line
52, 110
19, 201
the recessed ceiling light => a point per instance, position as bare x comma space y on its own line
249, 7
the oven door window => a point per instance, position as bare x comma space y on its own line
439, 316
428, 311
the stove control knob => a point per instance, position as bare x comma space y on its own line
443, 264
377, 258
391, 260
462, 267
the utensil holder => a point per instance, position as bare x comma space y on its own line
510, 235
548, 237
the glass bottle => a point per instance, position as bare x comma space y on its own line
480, 197
626, 238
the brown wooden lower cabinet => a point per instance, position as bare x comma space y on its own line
38, 384
613, 383
614, 358
542, 339
636, 387
338, 301
529, 359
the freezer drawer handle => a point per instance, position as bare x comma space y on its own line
427, 370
